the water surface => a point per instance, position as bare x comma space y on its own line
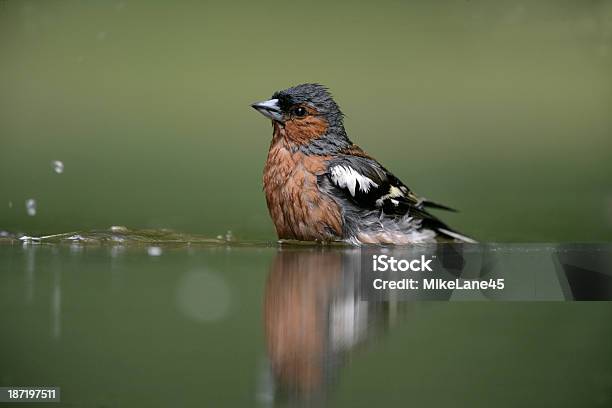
262, 325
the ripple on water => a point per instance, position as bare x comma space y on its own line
154, 241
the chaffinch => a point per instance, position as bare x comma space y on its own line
320, 186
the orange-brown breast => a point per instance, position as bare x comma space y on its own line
297, 207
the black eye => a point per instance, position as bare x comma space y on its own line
300, 111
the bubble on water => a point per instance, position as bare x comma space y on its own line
154, 251
118, 228
203, 296
58, 166
30, 205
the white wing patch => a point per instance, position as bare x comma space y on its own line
346, 176
393, 192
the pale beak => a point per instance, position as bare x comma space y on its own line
269, 109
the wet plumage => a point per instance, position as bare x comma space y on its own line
319, 186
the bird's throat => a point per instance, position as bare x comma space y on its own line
301, 131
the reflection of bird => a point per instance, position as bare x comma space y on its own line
320, 186
297, 297
319, 311
314, 317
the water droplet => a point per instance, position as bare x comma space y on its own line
154, 251
31, 206
58, 166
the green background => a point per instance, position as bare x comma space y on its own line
501, 110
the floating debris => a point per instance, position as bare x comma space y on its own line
58, 166
31, 207
154, 251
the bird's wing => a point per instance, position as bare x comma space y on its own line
369, 185
364, 182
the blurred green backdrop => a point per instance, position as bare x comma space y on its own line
502, 110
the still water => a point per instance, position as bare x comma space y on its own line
159, 323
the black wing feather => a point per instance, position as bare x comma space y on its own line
381, 190
387, 193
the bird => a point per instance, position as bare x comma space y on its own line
320, 186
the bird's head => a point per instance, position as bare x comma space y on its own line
304, 112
